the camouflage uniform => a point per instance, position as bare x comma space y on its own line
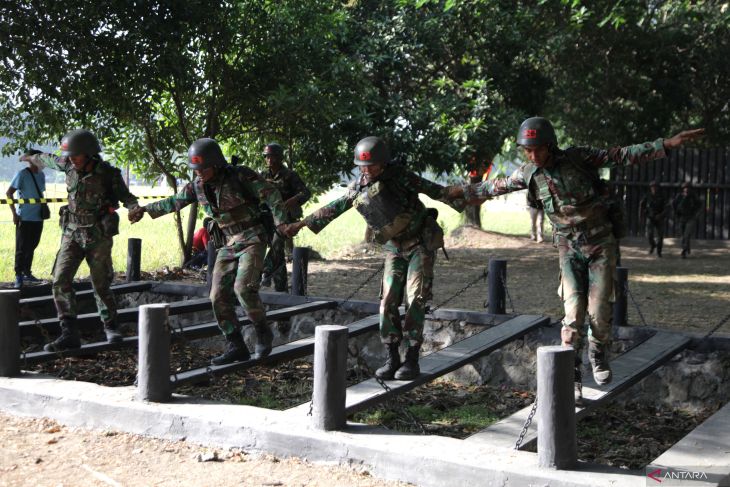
686, 209
410, 236
583, 230
655, 208
290, 185
232, 199
92, 221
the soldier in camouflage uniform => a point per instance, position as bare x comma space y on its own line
387, 197
294, 193
654, 207
231, 195
687, 206
89, 222
567, 183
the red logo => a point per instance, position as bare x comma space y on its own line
655, 475
529, 134
64, 145
196, 160
365, 156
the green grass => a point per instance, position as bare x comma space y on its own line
160, 244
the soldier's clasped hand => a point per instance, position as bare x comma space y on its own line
136, 214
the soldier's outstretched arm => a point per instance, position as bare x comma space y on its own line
683, 137
47, 160
323, 216
479, 192
640, 153
177, 201
122, 193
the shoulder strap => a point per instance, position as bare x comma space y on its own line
35, 183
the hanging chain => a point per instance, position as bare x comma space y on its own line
636, 304
526, 426
461, 291
364, 283
716, 327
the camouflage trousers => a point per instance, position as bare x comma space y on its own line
98, 255
409, 273
655, 233
274, 263
587, 271
236, 275
687, 229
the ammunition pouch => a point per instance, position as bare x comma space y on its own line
433, 234
267, 220
63, 216
109, 223
216, 234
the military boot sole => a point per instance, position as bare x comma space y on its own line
53, 347
261, 353
602, 377
407, 373
229, 358
387, 372
113, 336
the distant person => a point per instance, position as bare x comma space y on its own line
687, 207
88, 223
585, 224
29, 182
200, 246
294, 193
654, 208
537, 218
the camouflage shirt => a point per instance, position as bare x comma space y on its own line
686, 207
232, 198
655, 206
568, 188
290, 185
404, 187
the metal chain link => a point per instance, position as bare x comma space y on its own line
716, 327
461, 291
526, 426
364, 283
636, 304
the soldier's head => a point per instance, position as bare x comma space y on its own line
537, 139
653, 187
371, 156
80, 146
686, 187
34, 165
204, 157
274, 155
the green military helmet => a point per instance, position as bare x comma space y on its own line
273, 149
205, 153
536, 131
79, 142
372, 150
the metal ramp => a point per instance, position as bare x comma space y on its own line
628, 369
369, 393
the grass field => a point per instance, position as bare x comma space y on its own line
159, 239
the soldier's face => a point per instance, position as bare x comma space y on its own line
273, 162
652, 189
79, 161
372, 171
206, 174
539, 155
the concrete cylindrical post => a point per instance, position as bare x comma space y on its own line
497, 294
153, 373
621, 304
134, 259
556, 441
330, 368
212, 255
9, 333
300, 265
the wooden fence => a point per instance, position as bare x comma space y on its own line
707, 169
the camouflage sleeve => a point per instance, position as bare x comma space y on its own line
496, 187
122, 193
267, 193
326, 214
52, 161
301, 192
433, 190
626, 156
178, 201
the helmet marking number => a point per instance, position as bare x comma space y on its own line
529, 133
365, 156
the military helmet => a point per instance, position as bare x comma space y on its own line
205, 153
78, 142
273, 149
371, 150
536, 131
687, 185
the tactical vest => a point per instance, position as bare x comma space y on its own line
236, 208
91, 196
388, 211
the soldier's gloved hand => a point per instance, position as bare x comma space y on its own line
454, 192
136, 214
291, 229
683, 137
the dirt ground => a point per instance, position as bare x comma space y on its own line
682, 294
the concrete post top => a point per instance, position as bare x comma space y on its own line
330, 328
554, 349
154, 306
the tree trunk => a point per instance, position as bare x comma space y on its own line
473, 213
192, 219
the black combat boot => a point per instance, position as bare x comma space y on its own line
598, 355
264, 339
651, 248
265, 280
410, 369
111, 330
659, 250
236, 350
68, 340
392, 362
